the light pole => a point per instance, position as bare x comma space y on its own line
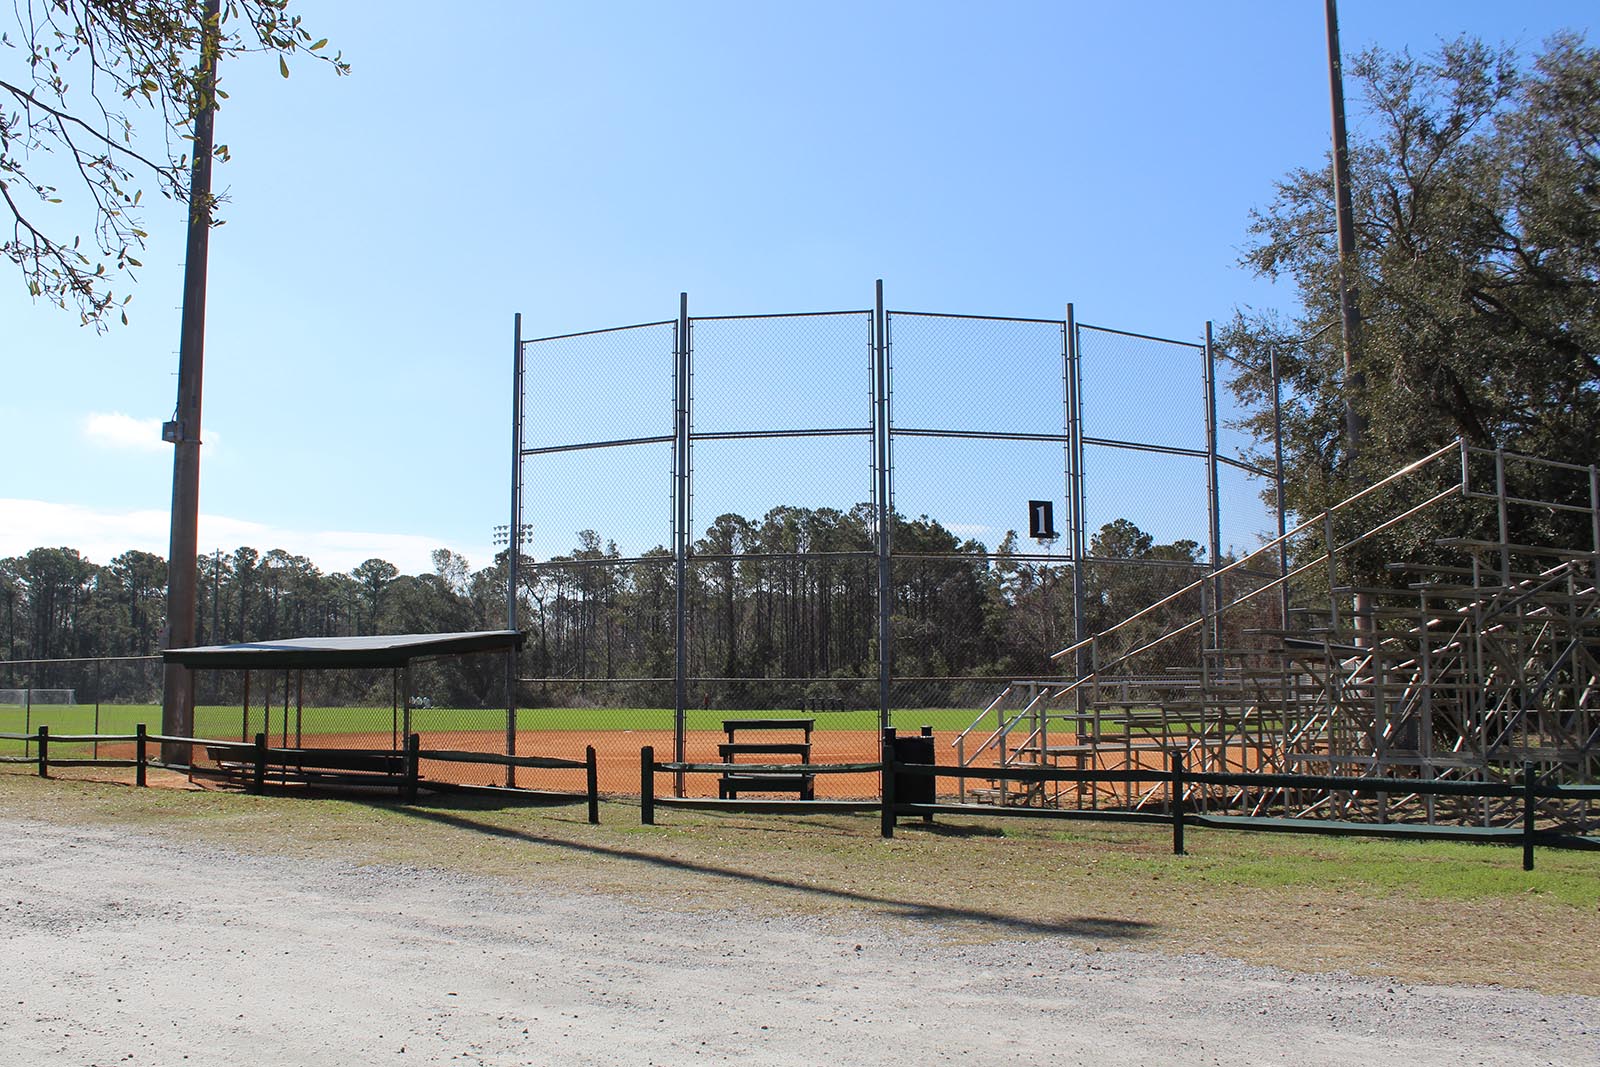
502, 536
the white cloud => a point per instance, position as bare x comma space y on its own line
124, 433
103, 535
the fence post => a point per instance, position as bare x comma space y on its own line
592, 781
413, 748
647, 785
44, 751
1527, 815
1176, 800
261, 764
927, 731
139, 754
887, 815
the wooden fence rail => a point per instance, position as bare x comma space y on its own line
1529, 789
258, 757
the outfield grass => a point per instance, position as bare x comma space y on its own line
121, 718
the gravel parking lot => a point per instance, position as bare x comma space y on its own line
126, 948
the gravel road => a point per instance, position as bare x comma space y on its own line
131, 949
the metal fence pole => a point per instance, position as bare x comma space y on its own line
514, 544
1213, 490
1277, 467
880, 431
680, 535
1079, 533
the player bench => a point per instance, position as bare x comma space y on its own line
313, 766
766, 781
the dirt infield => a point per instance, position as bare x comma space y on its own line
617, 758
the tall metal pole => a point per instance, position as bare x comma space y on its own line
680, 533
177, 693
1075, 492
1213, 489
880, 432
514, 531
514, 542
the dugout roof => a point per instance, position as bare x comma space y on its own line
386, 650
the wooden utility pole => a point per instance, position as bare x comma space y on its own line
177, 694
1355, 381
1349, 274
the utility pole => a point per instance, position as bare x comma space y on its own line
1355, 381
1349, 276
177, 693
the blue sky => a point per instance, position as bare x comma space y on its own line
584, 163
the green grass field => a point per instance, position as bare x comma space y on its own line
229, 723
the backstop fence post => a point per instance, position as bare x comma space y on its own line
514, 545
681, 466
883, 509
1213, 489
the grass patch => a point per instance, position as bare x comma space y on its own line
230, 723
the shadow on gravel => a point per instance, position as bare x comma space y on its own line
1085, 926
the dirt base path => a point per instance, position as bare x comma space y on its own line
131, 949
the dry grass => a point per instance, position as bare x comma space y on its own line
1431, 912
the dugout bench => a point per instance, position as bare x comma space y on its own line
360, 767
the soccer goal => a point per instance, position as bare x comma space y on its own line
28, 698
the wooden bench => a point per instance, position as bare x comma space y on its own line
315, 766
732, 782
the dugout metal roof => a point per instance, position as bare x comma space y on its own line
385, 650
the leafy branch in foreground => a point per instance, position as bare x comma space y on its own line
70, 75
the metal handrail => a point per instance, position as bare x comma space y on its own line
1315, 522
993, 704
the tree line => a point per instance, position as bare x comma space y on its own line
791, 594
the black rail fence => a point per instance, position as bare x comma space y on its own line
255, 764
908, 790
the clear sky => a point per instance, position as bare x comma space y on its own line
584, 163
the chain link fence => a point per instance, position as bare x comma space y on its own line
706, 498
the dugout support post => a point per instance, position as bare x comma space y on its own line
259, 777
413, 748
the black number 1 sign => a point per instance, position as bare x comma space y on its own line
1041, 520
